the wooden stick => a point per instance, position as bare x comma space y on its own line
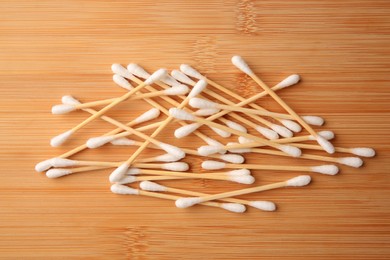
268, 167
240, 63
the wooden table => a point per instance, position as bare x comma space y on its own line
52, 48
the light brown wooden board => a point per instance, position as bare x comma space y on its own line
52, 48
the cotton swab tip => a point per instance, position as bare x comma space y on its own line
123, 190
156, 76
313, 120
177, 90
69, 100
137, 71
206, 111
263, 205
187, 202
267, 133
180, 76
148, 115
244, 140
62, 109
152, 186
173, 150
122, 82
123, 141
289, 81
180, 114
240, 172
232, 158
351, 161
96, 142
328, 135
166, 158
325, 144
236, 126
176, 166
241, 65
127, 180
61, 138
197, 89
281, 130
186, 130
190, 71
43, 166
291, 150
120, 70
62, 162
133, 171
208, 149
326, 169
234, 207
213, 165
201, 103
299, 181
362, 151
119, 173
56, 173
293, 126
221, 132
245, 179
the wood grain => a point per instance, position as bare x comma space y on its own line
52, 48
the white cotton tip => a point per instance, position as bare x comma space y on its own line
127, 180
148, 115
60, 139
123, 141
187, 202
69, 100
233, 207
240, 172
245, 179
197, 89
122, 82
325, 144
62, 162
96, 142
43, 166
291, 150
213, 165
186, 130
201, 103
267, 133
133, 171
238, 150
244, 140
62, 109
365, 152
313, 120
119, 173
180, 76
166, 158
170, 81
213, 142
156, 76
232, 158
190, 71
220, 132
181, 114
299, 181
236, 126
152, 186
241, 65
326, 169
56, 173
176, 166
281, 130
355, 162
120, 70
206, 150
177, 90
263, 205
123, 190
138, 71
289, 81
206, 111
328, 135
293, 126
173, 150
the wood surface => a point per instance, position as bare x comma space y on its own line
52, 48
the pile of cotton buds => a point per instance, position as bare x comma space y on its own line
271, 134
